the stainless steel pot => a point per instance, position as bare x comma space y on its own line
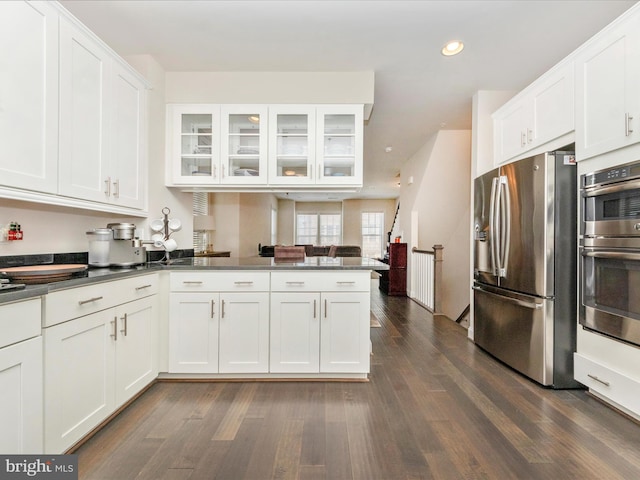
122, 231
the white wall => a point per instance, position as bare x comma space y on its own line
243, 220
441, 172
352, 218
271, 87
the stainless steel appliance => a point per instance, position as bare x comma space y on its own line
115, 246
525, 274
610, 252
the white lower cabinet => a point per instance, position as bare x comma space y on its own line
193, 332
295, 332
244, 332
135, 347
344, 332
79, 378
21, 378
320, 322
95, 363
219, 322
294, 324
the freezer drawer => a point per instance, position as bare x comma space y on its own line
516, 329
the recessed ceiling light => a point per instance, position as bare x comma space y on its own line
452, 48
388, 149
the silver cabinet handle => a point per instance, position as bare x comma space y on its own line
314, 309
346, 283
627, 124
325, 308
116, 188
529, 135
192, 282
143, 287
114, 322
213, 305
606, 384
124, 325
294, 283
240, 283
222, 313
523, 139
94, 299
107, 183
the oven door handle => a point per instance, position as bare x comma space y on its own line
619, 187
609, 254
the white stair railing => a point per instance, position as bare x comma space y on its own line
426, 271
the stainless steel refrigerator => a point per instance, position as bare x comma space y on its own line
525, 266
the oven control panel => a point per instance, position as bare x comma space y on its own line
611, 175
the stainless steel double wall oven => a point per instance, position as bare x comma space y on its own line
610, 252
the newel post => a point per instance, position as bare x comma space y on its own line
437, 279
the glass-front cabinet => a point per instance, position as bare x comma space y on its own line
264, 146
195, 144
291, 140
339, 144
244, 144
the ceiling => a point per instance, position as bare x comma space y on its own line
418, 91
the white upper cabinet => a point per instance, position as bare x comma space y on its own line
311, 145
84, 116
29, 96
193, 144
243, 145
536, 116
72, 114
339, 145
292, 145
102, 108
128, 161
260, 146
608, 90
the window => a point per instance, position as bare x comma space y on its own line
318, 228
372, 234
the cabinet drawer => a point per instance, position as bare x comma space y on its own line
77, 302
19, 321
620, 389
359, 281
228, 281
133, 288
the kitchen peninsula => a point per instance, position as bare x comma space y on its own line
94, 342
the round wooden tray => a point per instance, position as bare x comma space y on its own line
42, 273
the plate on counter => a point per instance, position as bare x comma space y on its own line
33, 274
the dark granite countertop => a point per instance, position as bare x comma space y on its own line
96, 275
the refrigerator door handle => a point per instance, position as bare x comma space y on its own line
505, 216
514, 301
493, 226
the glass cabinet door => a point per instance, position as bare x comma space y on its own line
196, 143
244, 144
292, 138
339, 151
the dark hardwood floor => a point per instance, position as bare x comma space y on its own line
436, 407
